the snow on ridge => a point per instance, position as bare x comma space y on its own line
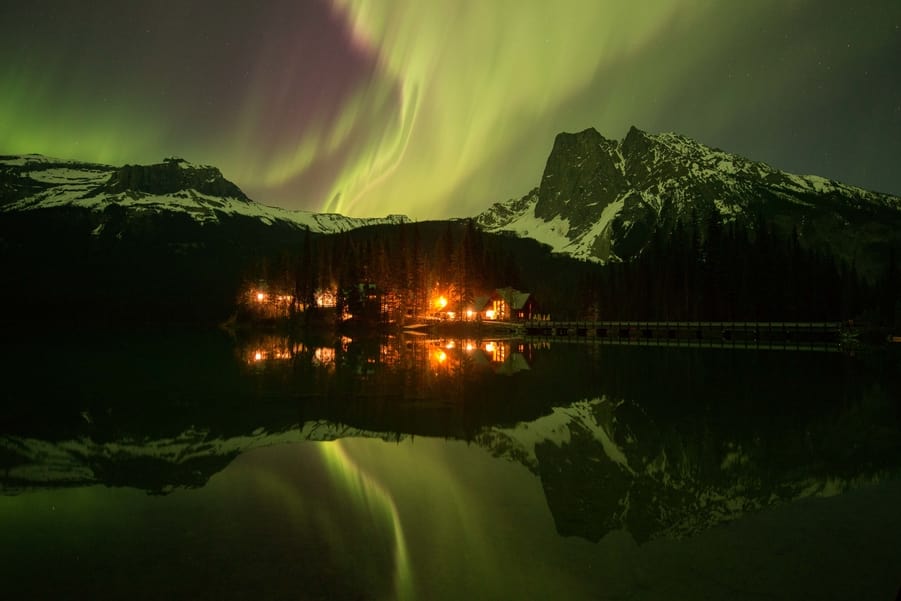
527, 225
555, 232
69, 462
20, 160
80, 184
187, 165
203, 208
582, 247
558, 428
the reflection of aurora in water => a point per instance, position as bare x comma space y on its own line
498, 492
369, 494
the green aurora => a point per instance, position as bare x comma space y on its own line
440, 109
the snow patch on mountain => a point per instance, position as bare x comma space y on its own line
54, 183
75, 462
558, 428
594, 192
526, 225
556, 232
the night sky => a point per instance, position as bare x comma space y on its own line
440, 108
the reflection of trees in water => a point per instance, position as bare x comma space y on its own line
683, 441
681, 478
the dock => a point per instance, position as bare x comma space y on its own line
767, 334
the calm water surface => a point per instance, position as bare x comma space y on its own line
203, 466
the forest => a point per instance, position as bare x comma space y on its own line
708, 270
166, 269
702, 269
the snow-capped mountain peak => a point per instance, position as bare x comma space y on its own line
174, 186
601, 199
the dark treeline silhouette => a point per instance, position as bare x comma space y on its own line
394, 272
56, 267
702, 269
708, 270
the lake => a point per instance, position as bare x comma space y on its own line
203, 465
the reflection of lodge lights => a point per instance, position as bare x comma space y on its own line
326, 298
324, 355
282, 354
450, 344
438, 356
278, 299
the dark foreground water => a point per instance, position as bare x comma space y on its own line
199, 466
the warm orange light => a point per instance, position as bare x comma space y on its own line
441, 356
469, 314
258, 356
441, 302
470, 347
324, 356
489, 314
260, 296
326, 298
450, 344
489, 347
451, 314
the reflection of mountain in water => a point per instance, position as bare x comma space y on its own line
660, 442
157, 466
608, 465
162, 411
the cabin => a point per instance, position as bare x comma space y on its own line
510, 304
504, 304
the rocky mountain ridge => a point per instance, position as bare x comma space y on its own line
589, 463
174, 186
601, 199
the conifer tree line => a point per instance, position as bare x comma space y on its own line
390, 272
696, 269
704, 269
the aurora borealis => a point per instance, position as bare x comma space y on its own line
439, 109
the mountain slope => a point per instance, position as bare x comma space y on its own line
166, 242
601, 199
32, 182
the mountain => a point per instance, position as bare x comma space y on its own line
175, 186
661, 457
172, 241
606, 465
157, 466
602, 199
603, 465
